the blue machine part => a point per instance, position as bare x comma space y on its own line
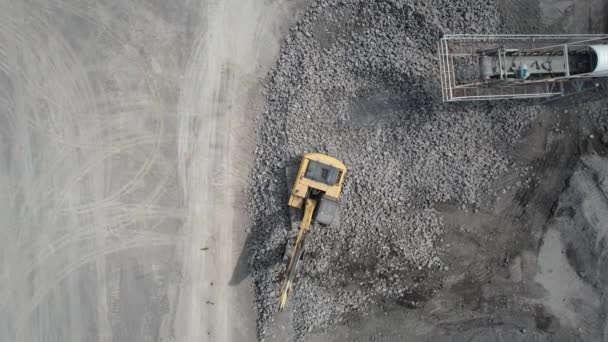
522, 72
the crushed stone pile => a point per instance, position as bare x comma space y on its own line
358, 80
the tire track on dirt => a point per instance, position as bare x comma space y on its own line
221, 71
10, 42
116, 224
77, 105
73, 91
83, 260
203, 143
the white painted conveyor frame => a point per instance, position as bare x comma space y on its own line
454, 46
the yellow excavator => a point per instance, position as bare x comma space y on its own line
316, 190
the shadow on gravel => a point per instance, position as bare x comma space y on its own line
257, 235
241, 270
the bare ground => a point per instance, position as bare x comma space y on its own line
125, 140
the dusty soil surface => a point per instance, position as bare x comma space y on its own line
530, 263
125, 132
449, 226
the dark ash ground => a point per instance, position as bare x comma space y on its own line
459, 222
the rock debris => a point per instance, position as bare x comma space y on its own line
358, 80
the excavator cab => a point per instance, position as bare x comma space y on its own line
320, 177
316, 190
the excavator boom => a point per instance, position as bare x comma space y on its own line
296, 254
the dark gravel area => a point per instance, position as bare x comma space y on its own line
358, 80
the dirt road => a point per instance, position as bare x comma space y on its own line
216, 134
124, 145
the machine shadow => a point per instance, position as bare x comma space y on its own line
242, 268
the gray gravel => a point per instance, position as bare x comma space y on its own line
358, 80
